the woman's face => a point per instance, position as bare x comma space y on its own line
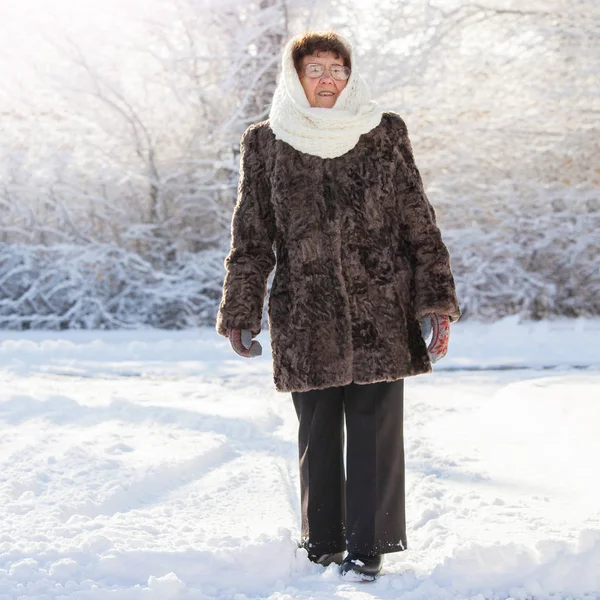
322, 92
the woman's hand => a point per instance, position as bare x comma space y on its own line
440, 326
241, 342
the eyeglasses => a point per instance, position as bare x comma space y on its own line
316, 70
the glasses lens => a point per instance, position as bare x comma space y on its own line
315, 70
340, 72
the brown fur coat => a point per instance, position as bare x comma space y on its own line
360, 259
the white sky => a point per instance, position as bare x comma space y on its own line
27, 28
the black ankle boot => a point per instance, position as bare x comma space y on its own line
367, 566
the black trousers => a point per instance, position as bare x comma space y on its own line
365, 510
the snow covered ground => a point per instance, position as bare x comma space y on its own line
160, 465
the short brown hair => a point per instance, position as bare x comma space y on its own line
312, 42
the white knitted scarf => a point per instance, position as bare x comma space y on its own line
324, 132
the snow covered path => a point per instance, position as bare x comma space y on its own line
160, 465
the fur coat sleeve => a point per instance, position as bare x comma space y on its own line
251, 256
434, 287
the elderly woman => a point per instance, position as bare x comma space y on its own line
329, 193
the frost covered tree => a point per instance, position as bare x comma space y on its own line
501, 100
135, 159
118, 176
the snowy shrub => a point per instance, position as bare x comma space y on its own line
102, 286
538, 261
